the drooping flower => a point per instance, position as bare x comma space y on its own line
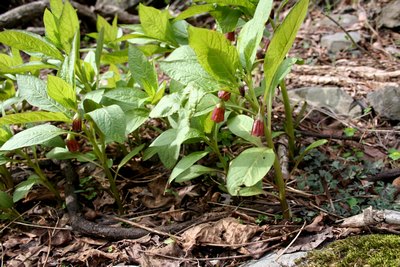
77, 123
230, 36
224, 95
218, 113
258, 126
72, 144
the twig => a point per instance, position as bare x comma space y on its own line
291, 243
241, 208
43, 226
351, 39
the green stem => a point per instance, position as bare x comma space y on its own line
102, 157
214, 146
289, 121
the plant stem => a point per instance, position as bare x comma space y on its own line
289, 121
214, 145
6, 177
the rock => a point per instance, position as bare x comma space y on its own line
386, 102
345, 20
390, 15
332, 98
270, 260
339, 41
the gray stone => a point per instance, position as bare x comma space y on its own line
271, 260
390, 15
331, 98
339, 41
345, 20
386, 102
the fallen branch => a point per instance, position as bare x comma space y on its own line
371, 217
22, 14
85, 227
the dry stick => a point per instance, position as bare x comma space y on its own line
43, 226
22, 14
351, 39
292, 242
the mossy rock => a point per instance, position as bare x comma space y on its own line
365, 251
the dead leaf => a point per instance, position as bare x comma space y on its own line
311, 242
316, 225
61, 238
104, 199
150, 259
225, 231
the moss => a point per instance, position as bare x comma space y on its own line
368, 250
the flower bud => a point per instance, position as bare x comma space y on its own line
258, 127
224, 95
72, 144
77, 124
230, 36
218, 113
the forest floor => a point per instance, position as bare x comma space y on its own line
337, 181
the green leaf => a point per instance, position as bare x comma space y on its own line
34, 91
56, 7
241, 126
185, 163
111, 122
51, 28
29, 66
194, 10
32, 136
282, 41
249, 168
29, 42
6, 201
194, 172
313, 145
23, 188
215, 54
243, 3
142, 70
62, 153
129, 156
155, 24
62, 92
251, 34
226, 17
68, 25
110, 31
182, 65
34, 116
67, 71
127, 98
135, 118
167, 106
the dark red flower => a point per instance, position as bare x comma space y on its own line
258, 127
218, 113
242, 91
230, 36
72, 144
224, 95
77, 125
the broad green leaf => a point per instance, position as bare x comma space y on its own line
32, 136
29, 42
284, 68
165, 138
194, 172
6, 201
32, 117
156, 24
243, 3
116, 57
7, 61
142, 70
110, 31
34, 91
130, 97
99, 49
7, 90
251, 190
135, 118
249, 168
241, 126
23, 188
282, 41
226, 17
185, 163
56, 7
194, 10
62, 92
182, 65
111, 122
5, 134
180, 29
167, 106
29, 66
215, 54
51, 28
68, 26
62, 153
251, 34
